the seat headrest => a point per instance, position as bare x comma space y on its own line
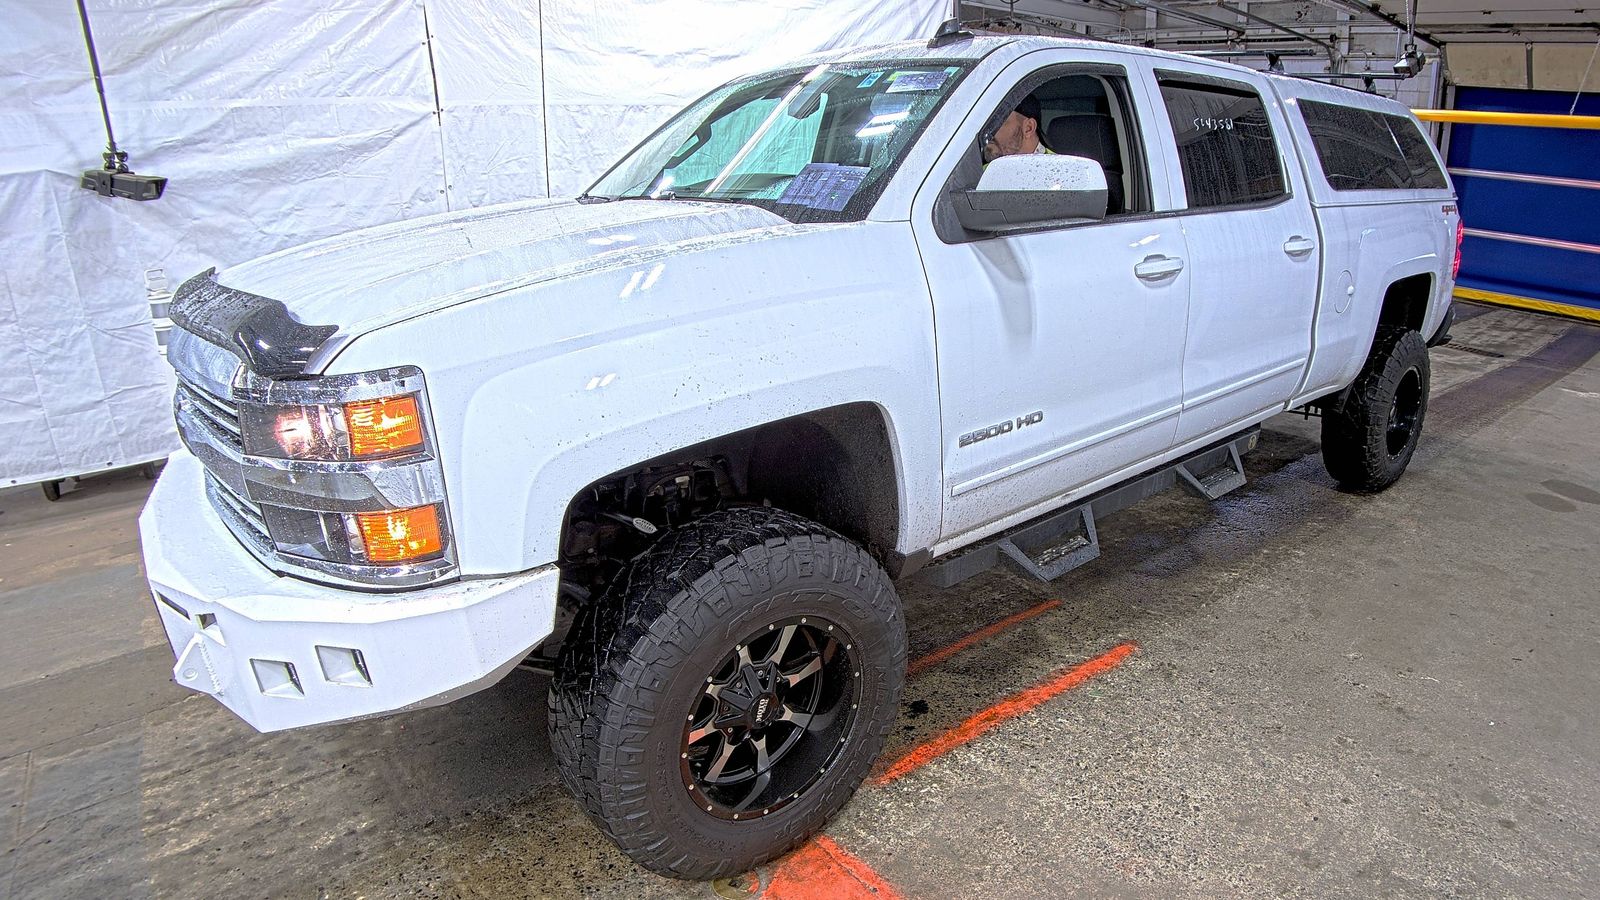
1090, 135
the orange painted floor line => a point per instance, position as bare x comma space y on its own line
922, 664
823, 870
1007, 709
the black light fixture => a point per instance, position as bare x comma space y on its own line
1411, 62
113, 178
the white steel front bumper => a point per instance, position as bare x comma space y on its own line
281, 652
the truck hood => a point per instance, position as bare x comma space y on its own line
378, 276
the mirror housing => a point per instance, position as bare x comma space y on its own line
1031, 191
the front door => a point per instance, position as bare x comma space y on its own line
1060, 350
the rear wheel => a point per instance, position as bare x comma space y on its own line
1368, 442
730, 691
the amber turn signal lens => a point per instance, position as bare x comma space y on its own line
383, 427
400, 535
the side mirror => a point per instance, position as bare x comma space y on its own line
1032, 190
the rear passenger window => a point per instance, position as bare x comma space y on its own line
1366, 150
1418, 151
1225, 144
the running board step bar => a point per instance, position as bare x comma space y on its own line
1058, 542
1226, 476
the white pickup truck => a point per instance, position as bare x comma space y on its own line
676, 438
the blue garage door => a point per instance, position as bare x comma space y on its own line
1530, 199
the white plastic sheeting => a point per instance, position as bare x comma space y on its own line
279, 123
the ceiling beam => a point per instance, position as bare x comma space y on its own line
1171, 10
1271, 24
1371, 9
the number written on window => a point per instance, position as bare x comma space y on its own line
1225, 143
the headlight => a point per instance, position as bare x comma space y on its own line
361, 429
339, 475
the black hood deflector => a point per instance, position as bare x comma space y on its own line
259, 330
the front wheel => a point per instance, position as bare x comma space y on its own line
1368, 442
730, 691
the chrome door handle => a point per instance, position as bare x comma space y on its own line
1299, 246
1157, 267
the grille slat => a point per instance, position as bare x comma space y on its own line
222, 416
246, 511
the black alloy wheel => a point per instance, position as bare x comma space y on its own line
729, 691
1404, 412
771, 720
1371, 433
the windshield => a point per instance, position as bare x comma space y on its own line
813, 145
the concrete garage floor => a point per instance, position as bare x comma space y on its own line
1332, 695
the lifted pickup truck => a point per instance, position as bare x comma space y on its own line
676, 438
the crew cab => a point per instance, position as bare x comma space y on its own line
676, 439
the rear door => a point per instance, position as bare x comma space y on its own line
1253, 246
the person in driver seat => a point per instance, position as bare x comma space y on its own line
1018, 134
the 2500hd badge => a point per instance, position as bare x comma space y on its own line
983, 434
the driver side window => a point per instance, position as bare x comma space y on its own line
1082, 115
1075, 113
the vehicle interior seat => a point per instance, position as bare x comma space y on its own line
1092, 135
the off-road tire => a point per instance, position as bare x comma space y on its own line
1361, 447
640, 655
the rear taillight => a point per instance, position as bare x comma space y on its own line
1461, 232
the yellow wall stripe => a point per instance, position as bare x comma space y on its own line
1560, 309
1533, 120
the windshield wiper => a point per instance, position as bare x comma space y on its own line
594, 198
673, 195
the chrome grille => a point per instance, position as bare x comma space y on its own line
220, 415
241, 510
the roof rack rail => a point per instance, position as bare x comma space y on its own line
1369, 80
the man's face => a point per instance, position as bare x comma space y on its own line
1017, 134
